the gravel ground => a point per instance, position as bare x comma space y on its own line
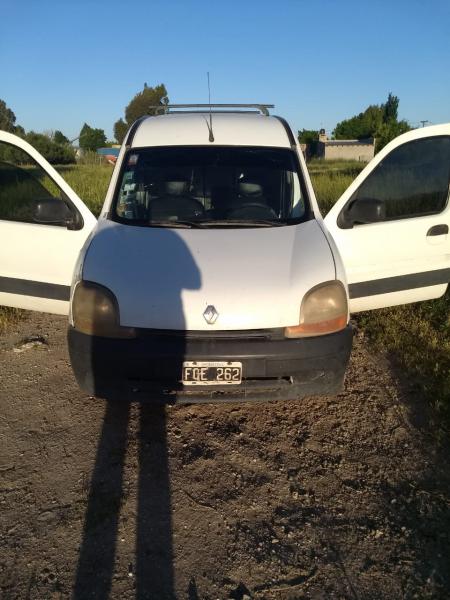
339, 497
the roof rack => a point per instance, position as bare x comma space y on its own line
263, 109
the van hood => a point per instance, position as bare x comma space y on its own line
166, 278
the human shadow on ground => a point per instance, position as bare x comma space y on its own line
152, 569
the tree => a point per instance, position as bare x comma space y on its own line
390, 109
91, 139
55, 153
7, 118
308, 136
55, 148
140, 106
360, 126
389, 131
60, 138
120, 130
377, 121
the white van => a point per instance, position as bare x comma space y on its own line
210, 273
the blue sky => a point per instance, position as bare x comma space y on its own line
63, 63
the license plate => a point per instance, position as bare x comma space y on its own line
211, 373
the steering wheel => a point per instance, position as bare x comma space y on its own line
252, 210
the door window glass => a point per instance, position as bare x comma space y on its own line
27, 193
412, 181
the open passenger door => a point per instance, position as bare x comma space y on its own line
391, 225
43, 226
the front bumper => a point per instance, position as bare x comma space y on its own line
150, 366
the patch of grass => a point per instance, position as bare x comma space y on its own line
8, 316
90, 182
417, 336
318, 165
330, 179
329, 187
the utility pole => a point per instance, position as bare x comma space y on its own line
424, 121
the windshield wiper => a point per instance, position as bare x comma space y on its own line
240, 223
173, 224
208, 223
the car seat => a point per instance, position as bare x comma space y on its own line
175, 202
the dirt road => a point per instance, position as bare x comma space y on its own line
342, 497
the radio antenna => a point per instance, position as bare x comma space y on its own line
211, 135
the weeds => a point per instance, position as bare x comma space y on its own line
417, 337
329, 187
8, 316
90, 182
318, 165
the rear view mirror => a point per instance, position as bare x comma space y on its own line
361, 212
54, 211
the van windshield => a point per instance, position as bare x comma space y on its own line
214, 186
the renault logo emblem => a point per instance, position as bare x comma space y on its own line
210, 314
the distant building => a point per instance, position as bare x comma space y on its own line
362, 150
110, 154
111, 151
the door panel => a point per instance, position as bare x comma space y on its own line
43, 226
392, 224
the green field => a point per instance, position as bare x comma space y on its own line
89, 181
416, 337
331, 178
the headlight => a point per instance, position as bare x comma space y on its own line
324, 310
95, 311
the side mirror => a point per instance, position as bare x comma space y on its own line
361, 212
54, 211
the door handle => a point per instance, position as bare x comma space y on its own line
437, 230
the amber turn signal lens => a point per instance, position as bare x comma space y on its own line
324, 310
316, 328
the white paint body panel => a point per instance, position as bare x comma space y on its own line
42, 253
392, 248
396, 298
37, 252
47, 305
229, 130
165, 279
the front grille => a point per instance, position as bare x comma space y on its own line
247, 334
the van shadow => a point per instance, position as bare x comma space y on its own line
173, 267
